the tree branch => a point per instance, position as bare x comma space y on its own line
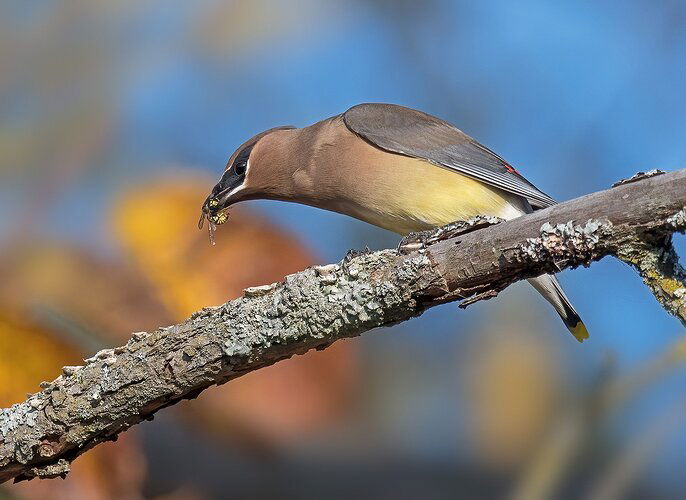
472, 260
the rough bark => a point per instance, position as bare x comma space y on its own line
472, 260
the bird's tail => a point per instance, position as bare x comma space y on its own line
548, 286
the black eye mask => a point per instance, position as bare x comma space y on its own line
234, 175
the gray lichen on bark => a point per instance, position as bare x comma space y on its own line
568, 241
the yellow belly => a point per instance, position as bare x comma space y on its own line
421, 196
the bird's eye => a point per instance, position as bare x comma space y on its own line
240, 168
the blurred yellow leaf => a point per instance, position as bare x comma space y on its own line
513, 379
28, 355
232, 27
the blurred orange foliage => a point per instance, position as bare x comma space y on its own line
277, 404
60, 304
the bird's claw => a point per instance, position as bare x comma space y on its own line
422, 239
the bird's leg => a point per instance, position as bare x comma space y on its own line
352, 253
423, 239
412, 242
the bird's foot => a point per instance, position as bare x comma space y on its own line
422, 239
355, 253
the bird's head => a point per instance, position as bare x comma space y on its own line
242, 180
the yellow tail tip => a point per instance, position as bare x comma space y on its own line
579, 331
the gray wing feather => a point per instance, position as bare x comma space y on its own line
412, 133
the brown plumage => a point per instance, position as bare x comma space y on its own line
393, 167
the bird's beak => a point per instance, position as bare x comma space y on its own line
215, 207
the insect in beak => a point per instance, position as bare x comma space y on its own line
214, 219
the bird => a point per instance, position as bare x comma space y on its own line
391, 166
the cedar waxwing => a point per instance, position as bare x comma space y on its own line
394, 167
